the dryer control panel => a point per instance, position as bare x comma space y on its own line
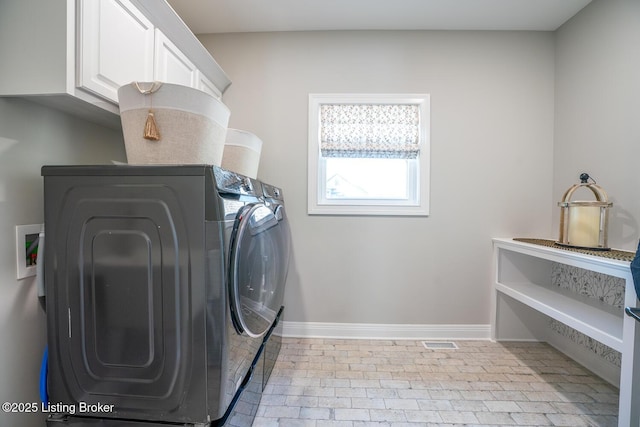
231, 183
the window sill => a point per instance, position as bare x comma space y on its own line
360, 210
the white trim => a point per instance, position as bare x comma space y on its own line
418, 205
384, 331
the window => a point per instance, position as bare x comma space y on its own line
368, 154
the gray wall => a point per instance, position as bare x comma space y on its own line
598, 112
496, 170
492, 98
32, 136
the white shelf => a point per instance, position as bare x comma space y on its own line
523, 272
603, 265
593, 318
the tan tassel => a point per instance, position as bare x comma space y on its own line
151, 131
151, 128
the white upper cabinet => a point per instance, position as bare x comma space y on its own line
116, 46
74, 54
206, 85
171, 65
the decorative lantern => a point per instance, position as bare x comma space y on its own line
583, 224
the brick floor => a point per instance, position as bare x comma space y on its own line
353, 383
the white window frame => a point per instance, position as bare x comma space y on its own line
418, 202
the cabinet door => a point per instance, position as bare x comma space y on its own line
115, 47
171, 65
207, 86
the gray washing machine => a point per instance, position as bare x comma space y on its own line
163, 287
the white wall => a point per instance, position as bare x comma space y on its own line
598, 110
32, 136
491, 168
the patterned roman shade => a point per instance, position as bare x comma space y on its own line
389, 131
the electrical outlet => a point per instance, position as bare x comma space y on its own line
27, 239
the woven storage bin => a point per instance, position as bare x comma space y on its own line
242, 152
192, 124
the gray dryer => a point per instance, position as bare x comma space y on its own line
163, 284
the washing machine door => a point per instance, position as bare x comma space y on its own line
258, 268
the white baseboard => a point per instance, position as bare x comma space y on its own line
384, 331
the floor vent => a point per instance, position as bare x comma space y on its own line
439, 345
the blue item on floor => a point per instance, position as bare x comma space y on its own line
44, 371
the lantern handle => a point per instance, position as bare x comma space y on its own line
598, 192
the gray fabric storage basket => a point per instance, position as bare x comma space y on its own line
192, 125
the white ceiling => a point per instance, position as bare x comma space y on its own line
227, 16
